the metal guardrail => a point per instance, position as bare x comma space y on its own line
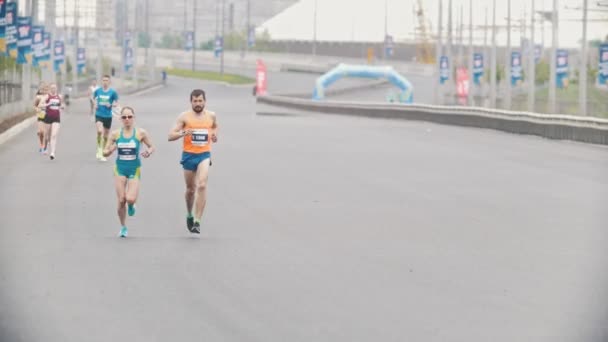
553, 126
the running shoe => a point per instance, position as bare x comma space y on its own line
131, 209
190, 223
196, 228
123, 232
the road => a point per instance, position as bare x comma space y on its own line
318, 228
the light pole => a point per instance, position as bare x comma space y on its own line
193, 34
582, 84
248, 26
493, 60
486, 55
384, 55
438, 53
470, 64
76, 38
532, 65
223, 40
552, 76
449, 53
508, 59
460, 40
314, 30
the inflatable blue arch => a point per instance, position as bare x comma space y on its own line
364, 71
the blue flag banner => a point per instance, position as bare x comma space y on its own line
45, 61
477, 68
444, 69
516, 68
59, 51
219, 46
128, 58
81, 60
24, 40
251, 37
561, 69
602, 75
11, 29
2, 27
389, 45
37, 44
189, 41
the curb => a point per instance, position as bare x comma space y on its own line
18, 128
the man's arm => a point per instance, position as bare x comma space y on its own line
110, 145
114, 100
214, 127
178, 129
114, 107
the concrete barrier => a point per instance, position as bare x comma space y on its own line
564, 127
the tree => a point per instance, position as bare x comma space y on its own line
171, 41
143, 39
542, 72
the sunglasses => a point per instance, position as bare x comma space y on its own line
124, 117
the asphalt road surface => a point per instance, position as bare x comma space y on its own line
317, 228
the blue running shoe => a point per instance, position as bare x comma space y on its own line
131, 209
123, 232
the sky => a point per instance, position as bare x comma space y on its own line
364, 20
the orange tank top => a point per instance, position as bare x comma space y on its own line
202, 128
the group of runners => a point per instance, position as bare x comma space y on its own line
197, 127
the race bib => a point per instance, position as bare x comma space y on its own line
200, 137
127, 151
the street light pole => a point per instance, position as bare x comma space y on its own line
385, 28
508, 59
223, 40
582, 84
438, 53
449, 54
470, 59
493, 60
193, 35
486, 55
553, 76
314, 30
460, 39
532, 65
76, 38
248, 26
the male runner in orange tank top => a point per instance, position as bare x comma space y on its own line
198, 127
